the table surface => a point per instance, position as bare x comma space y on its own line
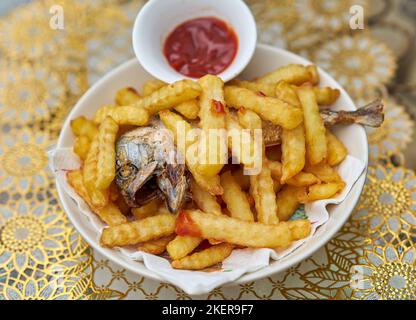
43, 72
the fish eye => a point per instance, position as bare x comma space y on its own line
126, 171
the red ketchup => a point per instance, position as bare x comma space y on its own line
201, 46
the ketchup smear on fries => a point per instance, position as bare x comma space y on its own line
201, 46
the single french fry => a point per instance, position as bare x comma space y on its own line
147, 210
106, 163
76, 181
249, 119
259, 88
285, 92
324, 191
287, 202
212, 114
299, 229
326, 96
313, 71
205, 258
315, 131
292, 73
111, 214
174, 121
82, 146
324, 172
152, 85
262, 191
293, 152
127, 96
81, 126
336, 149
138, 231
99, 197
204, 200
169, 96
189, 109
276, 111
275, 169
235, 198
123, 115
156, 246
303, 179
182, 246
239, 232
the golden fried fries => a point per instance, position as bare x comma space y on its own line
299, 229
272, 109
147, 210
323, 191
152, 85
82, 146
292, 73
156, 246
189, 109
204, 200
82, 127
124, 115
286, 93
313, 71
111, 214
212, 114
106, 166
326, 96
242, 179
169, 96
260, 88
204, 258
234, 231
316, 145
303, 179
293, 152
336, 149
324, 173
75, 180
262, 191
127, 96
249, 119
138, 231
235, 198
182, 246
99, 197
287, 202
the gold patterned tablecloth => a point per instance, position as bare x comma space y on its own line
44, 71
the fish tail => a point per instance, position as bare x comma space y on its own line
371, 115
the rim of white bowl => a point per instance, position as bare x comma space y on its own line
256, 275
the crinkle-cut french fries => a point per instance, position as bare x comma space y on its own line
292, 73
276, 111
212, 114
156, 246
262, 191
299, 229
286, 93
239, 232
242, 179
147, 210
189, 109
123, 115
152, 85
169, 96
326, 96
322, 191
81, 126
313, 70
235, 198
324, 172
172, 121
106, 166
110, 213
287, 202
99, 197
182, 246
249, 119
127, 96
293, 152
134, 232
204, 200
315, 131
259, 88
303, 179
82, 146
205, 258
336, 149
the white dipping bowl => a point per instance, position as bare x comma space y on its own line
158, 18
265, 59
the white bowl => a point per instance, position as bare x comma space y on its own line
159, 17
265, 59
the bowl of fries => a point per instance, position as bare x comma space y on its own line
226, 210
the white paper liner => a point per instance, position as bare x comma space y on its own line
241, 261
